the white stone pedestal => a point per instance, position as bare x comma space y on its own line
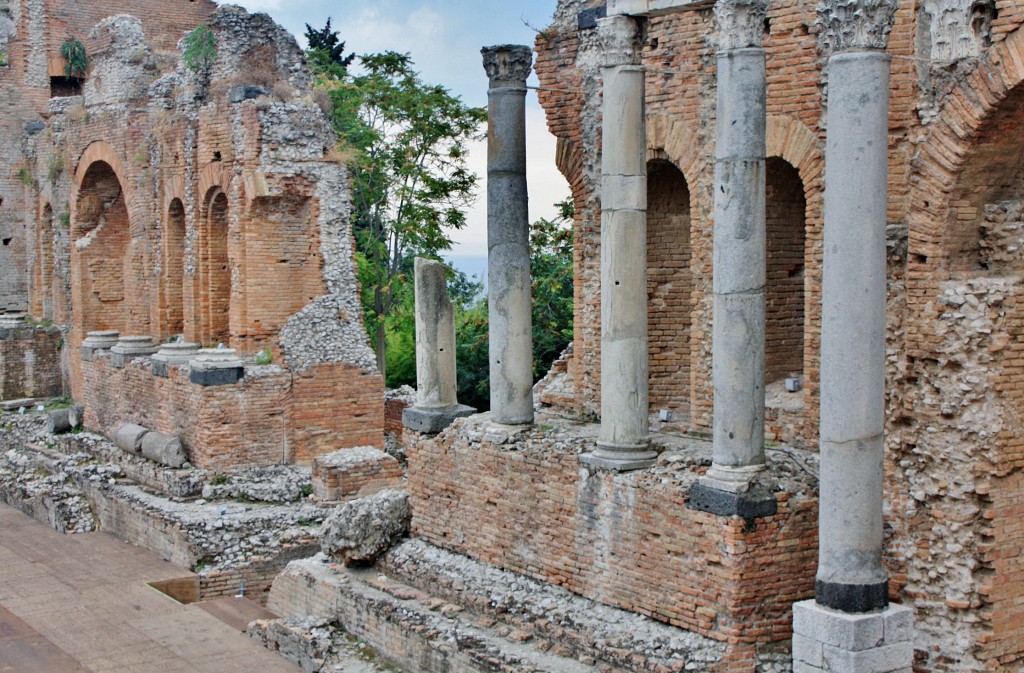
830, 641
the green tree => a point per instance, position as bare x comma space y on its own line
552, 286
408, 146
326, 49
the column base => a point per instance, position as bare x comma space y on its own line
432, 421
620, 458
827, 641
753, 503
852, 598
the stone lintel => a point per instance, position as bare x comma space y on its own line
216, 377
432, 421
754, 503
655, 7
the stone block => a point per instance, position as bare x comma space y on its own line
432, 421
216, 377
899, 624
808, 651
164, 449
751, 504
587, 19
884, 659
129, 436
852, 632
63, 420
361, 530
355, 472
801, 667
159, 368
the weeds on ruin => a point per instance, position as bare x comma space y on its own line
200, 49
264, 357
55, 168
75, 56
64, 219
25, 177
3, 59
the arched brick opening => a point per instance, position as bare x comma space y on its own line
669, 286
785, 208
42, 305
214, 270
172, 305
101, 235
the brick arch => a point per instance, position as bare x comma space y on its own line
211, 176
940, 159
670, 139
101, 151
174, 188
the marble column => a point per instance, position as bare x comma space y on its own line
851, 577
623, 442
739, 262
508, 236
436, 403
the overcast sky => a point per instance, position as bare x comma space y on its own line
444, 38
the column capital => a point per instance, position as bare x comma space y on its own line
855, 25
507, 65
740, 23
621, 41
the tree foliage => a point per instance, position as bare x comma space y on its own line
408, 146
76, 58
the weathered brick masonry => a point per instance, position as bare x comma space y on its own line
953, 484
626, 540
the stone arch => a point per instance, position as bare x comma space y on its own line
213, 269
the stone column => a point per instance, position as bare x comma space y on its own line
436, 403
508, 236
623, 443
873, 636
739, 264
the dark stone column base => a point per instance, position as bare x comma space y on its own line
852, 597
754, 503
216, 377
159, 368
432, 421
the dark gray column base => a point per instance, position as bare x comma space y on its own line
159, 368
852, 598
755, 503
432, 421
87, 352
216, 377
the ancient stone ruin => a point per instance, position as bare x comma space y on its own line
785, 436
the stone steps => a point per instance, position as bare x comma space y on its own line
425, 610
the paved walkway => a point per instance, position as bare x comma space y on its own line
82, 604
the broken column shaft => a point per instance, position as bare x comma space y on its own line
436, 403
739, 247
623, 443
508, 236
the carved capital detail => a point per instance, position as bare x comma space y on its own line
740, 23
621, 40
854, 24
507, 65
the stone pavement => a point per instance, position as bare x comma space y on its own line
83, 604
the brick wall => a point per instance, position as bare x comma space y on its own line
626, 540
271, 418
30, 362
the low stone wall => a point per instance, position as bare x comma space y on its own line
30, 362
626, 540
270, 417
